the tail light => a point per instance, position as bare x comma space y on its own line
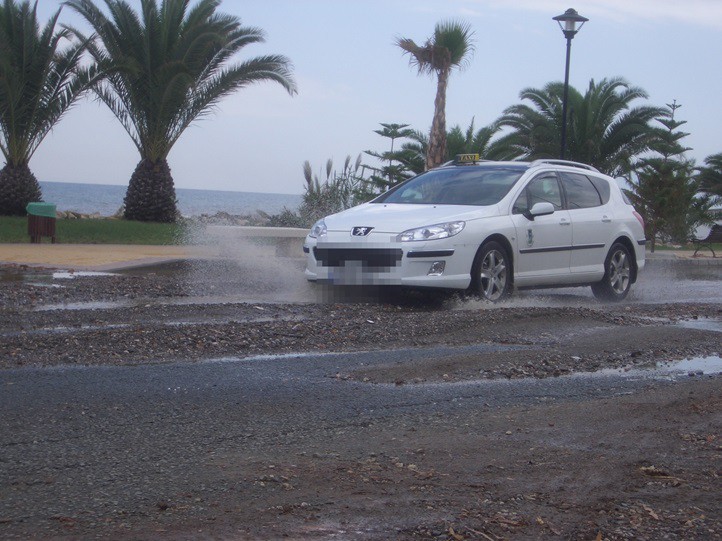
639, 217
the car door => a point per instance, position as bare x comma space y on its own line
592, 221
544, 242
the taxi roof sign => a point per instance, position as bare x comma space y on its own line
466, 158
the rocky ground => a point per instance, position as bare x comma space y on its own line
651, 472
150, 317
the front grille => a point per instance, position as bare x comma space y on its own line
369, 257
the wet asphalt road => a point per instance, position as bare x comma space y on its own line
89, 443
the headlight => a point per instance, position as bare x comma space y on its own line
318, 230
432, 232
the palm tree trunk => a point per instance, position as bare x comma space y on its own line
436, 154
151, 194
18, 187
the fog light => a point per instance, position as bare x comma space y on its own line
437, 268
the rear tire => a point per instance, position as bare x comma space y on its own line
491, 272
617, 275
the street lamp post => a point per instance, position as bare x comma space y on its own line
568, 22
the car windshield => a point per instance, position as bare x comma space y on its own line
455, 186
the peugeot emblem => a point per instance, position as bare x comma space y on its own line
361, 231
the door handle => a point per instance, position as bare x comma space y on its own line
564, 222
606, 219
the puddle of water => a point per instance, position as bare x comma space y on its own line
161, 301
13, 275
670, 370
231, 319
32, 279
45, 279
64, 330
698, 366
90, 305
270, 357
68, 275
703, 324
695, 366
225, 299
49, 285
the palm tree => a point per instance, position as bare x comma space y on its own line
450, 46
412, 154
710, 176
604, 129
39, 82
167, 66
470, 141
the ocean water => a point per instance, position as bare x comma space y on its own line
107, 199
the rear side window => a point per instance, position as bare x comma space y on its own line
602, 187
580, 191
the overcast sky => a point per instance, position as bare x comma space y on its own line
351, 77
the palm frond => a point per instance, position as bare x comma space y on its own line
170, 64
605, 129
40, 79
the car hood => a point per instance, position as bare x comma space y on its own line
395, 218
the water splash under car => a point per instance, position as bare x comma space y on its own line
489, 227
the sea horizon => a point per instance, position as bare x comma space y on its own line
107, 199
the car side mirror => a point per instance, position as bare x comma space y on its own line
539, 209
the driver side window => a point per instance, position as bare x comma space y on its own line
544, 188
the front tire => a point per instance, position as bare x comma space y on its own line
491, 272
617, 275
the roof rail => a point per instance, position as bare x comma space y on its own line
563, 162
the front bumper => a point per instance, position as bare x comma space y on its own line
431, 264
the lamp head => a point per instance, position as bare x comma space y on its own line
570, 22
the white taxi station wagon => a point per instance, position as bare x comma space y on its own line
489, 227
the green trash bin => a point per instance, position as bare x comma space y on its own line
41, 221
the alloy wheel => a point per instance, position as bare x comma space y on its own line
619, 272
493, 275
